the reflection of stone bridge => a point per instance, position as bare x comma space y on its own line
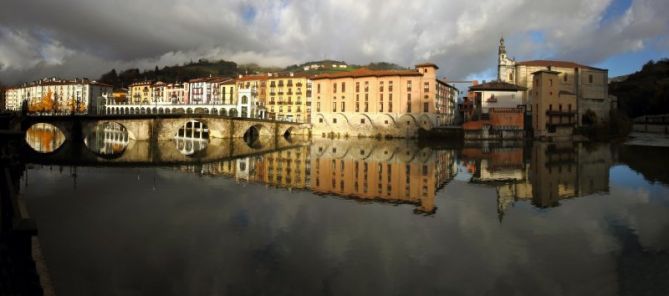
160, 153
165, 127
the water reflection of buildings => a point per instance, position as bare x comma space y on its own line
44, 137
108, 139
192, 137
288, 168
544, 173
387, 171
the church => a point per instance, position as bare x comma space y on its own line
558, 95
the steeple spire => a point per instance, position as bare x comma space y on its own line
502, 48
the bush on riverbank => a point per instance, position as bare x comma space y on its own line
618, 127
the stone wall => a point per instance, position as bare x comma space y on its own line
354, 124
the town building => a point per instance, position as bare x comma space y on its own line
554, 109
12, 101
386, 103
588, 84
497, 111
251, 96
326, 64
176, 93
140, 92
205, 91
53, 95
120, 95
289, 97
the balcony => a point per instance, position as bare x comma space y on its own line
560, 113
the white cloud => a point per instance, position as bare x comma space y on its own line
459, 35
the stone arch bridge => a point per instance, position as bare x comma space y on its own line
165, 127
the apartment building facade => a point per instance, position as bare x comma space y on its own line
385, 103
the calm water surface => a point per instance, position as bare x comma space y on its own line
350, 217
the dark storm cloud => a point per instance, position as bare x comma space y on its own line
86, 38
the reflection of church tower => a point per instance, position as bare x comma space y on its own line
505, 65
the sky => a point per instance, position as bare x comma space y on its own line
80, 38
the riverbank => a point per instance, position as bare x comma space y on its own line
648, 139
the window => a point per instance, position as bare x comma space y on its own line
426, 86
381, 86
390, 106
366, 107
366, 86
343, 107
564, 77
381, 106
318, 88
409, 85
590, 78
320, 120
357, 87
362, 121
334, 120
550, 82
550, 107
334, 106
426, 107
390, 86
357, 106
318, 106
334, 88
343, 86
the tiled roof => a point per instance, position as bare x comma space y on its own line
252, 77
364, 72
561, 64
427, 65
497, 85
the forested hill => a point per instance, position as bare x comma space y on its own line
205, 68
644, 92
202, 68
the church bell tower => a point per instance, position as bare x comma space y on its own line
505, 66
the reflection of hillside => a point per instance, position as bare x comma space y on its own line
636, 157
553, 172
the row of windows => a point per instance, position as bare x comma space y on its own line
426, 86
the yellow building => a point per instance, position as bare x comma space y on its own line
141, 92
228, 92
289, 96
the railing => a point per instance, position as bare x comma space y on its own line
560, 113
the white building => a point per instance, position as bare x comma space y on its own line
63, 96
498, 94
248, 105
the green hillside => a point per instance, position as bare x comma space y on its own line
644, 92
205, 68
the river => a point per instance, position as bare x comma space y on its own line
347, 217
